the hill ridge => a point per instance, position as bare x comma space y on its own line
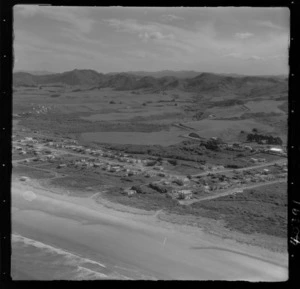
203, 82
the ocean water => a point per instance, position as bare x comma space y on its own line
34, 260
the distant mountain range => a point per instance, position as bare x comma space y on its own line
158, 74
36, 72
163, 80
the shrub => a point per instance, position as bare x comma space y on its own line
173, 162
192, 134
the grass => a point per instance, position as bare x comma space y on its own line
79, 183
148, 202
261, 210
31, 172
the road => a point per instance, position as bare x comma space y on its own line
147, 250
99, 158
22, 160
242, 169
232, 191
135, 166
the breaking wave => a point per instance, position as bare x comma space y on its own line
51, 263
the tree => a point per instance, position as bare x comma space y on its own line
212, 145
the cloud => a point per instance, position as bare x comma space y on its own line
155, 35
269, 24
26, 11
76, 17
255, 58
141, 54
241, 56
247, 57
243, 35
144, 31
170, 17
129, 25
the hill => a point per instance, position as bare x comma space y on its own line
158, 74
216, 84
36, 72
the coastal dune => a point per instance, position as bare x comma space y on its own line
120, 247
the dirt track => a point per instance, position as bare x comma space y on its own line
230, 192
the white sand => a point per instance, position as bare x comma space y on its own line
136, 241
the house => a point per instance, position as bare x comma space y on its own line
129, 192
224, 185
206, 188
62, 166
276, 150
185, 194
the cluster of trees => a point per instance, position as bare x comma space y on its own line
213, 144
260, 138
227, 102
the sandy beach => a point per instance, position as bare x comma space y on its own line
77, 238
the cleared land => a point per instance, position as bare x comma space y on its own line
132, 149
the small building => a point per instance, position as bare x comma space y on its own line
206, 188
129, 192
276, 150
185, 194
61, 166
24, 179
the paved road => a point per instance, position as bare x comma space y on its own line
242, 169
231, 192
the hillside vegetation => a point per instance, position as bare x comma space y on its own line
204, 82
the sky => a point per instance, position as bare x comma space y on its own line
243, 40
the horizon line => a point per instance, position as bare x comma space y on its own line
145, 71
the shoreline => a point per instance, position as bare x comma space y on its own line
211, 230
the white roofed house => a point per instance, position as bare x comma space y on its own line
276, 150
185, 194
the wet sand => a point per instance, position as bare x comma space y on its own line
129, 246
